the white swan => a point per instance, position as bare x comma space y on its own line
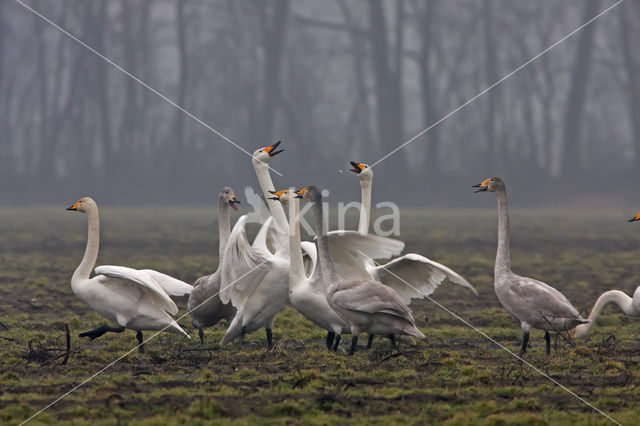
534, 303
367, 306
257, 284
205, 307
255, 277
307, 292
134, 299
258, 301
422, 273
630, 306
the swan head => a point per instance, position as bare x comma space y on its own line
283, 196
310, 194
494, 184
264, 155
635, 218
228, 198
580, 331
363, 171
83, 205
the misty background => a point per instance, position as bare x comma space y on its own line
336, 81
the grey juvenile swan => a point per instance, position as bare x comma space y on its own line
205, 307
367, 306
534, 303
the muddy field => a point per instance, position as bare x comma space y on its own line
456, 377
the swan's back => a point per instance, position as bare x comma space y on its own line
537, 304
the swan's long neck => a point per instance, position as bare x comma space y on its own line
83, 271
365, 207
296, 271
612, 296
266, 184
224, 227
327, 266
503, 256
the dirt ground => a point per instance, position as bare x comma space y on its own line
457, 376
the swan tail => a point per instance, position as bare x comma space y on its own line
572, 323
174, 327
234, 331
413, 331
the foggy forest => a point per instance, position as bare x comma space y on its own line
336, 81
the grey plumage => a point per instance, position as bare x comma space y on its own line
534, 303
204, 306
367, 306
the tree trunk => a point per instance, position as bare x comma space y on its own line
571, 158
274, 28
633, 89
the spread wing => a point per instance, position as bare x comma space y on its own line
244, 266
172, 286
275, 237
351, 251
142, 279
372, 297
424, 276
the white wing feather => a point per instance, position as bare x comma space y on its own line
172, 286
142, 279
243, 265
351, 251
423, 274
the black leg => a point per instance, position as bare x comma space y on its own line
241, 338
393, 341
329, 341
269, 337
547, 337
337, 342
354, 341
525, 341
97, 332
370, 341
201, 334
140, 341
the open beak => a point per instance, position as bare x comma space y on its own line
271, 150
233, 201
357, 167
482, 187
276, 194
74, 207
636, 217
301, 192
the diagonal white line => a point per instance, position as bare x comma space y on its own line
88, 379
467, 323
452, 112
137, 80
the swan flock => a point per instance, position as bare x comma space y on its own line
343, 281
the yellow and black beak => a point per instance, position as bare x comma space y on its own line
271, 150
301, 192
74, 207
636, 217
357, 167
277, 195
483, 187
233, 201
